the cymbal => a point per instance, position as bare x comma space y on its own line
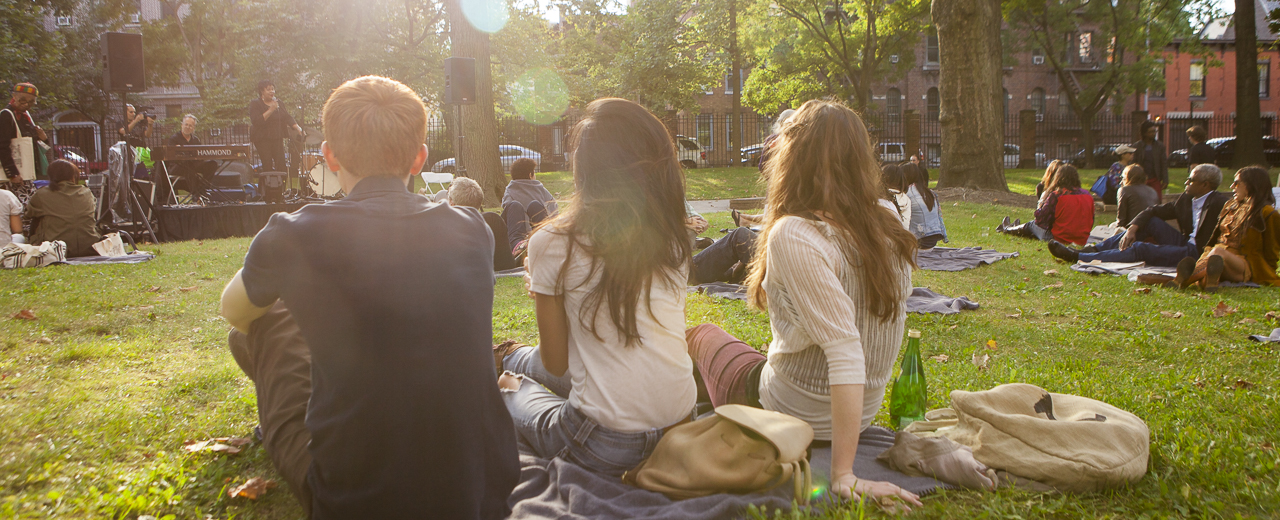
314, 136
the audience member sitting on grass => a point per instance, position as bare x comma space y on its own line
1108, 191
1047, 179
895, 193
834, 272
466, 193
926, 210
1065, 213
526, 202
611, 372
64, 210
726, 259
1134, 197
1150, 239
10, 217
368, 319
1246, 241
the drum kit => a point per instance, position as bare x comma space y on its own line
316, 179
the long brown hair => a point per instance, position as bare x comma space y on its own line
824, 167
916, 175
1049, 171
627, 212
1257, 185
1067, 177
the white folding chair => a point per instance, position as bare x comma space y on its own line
440, 179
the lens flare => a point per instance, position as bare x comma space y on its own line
486, 15
540, 96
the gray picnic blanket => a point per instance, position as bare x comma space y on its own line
1131, 271
558, 489
509, 273
922, 300
958, 259
1273, 338
135, 258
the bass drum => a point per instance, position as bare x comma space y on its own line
325, 181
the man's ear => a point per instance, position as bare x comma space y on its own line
330, 159
419, 160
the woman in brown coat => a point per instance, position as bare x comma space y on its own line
1245, 245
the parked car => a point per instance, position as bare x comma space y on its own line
1013, 156
690, 153
751, 154
1226, 154
74, 155
1178, 159
1103, 154
507, 152
891, 153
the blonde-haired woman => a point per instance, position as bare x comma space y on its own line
833, 267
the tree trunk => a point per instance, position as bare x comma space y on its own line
479, 153
1248, 112
1086, 133
735, 78
972, 126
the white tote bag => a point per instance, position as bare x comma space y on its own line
23, 149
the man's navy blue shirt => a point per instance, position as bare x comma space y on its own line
394, 295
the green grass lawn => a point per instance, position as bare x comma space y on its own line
125, 363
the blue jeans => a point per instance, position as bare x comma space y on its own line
550, 427
714, 262
521, 219
1159, 245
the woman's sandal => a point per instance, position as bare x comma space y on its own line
502, 350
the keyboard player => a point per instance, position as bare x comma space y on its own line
189, 170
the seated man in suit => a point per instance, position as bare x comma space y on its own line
1149, 239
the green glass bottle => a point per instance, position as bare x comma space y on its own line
908, 401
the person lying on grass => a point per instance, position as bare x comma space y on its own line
1065, 213
1152, 240
833, 268
612, 372
368, 320
1246, 241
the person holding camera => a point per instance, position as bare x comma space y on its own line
136, 126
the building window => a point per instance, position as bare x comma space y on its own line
728, 84
173, 112
1037, 56
1037, 101
1158, 92
893, 104
1064, 151
1064, 105
1196, 86
1086, 47
728, 132
705, 137
1264, 79
931, 48
64, 21
931, 103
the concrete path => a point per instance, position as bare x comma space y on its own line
709, 206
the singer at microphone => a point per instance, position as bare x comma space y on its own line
269, 122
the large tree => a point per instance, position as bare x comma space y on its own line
479, 154
1100, 51
970, 87
1248, 110
805, 49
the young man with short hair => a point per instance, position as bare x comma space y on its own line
1199, 152
371, 318
526, 202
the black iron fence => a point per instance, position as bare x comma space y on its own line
1056, 135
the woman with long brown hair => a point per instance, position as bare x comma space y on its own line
64, 211
1245, 244
833, 268
608, 278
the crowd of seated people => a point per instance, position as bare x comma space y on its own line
1065, 211
354, 374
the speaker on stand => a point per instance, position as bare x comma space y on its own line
459, 89
123, 71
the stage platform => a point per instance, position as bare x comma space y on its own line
208, 222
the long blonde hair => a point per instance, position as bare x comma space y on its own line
824, 167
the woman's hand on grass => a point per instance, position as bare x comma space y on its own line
888, 496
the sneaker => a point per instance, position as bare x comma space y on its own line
1062, 252
518, 252
1185, 268
702, 242
1212, 274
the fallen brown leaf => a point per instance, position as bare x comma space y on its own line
1246, 321
252, 489
1095, 294
1202, 296
153, 288
1022, 267
188, 289
953, 327
1243, 385
1142, 290
214, 445
24, 314
1051, 272
1081, 283
941, 358
991, 344
1223, 310
1272, 315
1014, 316
44, 340
1054, 285
1025, 279
980, 360
1174, 315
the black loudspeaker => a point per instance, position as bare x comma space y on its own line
122, 63
459, 81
